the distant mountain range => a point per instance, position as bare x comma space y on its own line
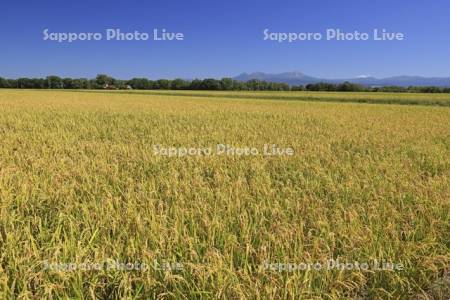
298, 78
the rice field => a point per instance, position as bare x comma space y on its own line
442, 99
91, 207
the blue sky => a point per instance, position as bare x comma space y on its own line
224, 38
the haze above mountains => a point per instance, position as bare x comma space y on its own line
298, 78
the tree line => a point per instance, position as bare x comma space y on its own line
103, 81
106, 82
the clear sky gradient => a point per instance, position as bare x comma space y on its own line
224, 38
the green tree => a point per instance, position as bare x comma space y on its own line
163, 84
4, 83
139, 83
68, 83
102, 80
54, 82
227, 84
179, 84
210, 84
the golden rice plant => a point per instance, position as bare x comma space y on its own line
80, 185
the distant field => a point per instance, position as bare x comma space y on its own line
80, 183
374, 98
